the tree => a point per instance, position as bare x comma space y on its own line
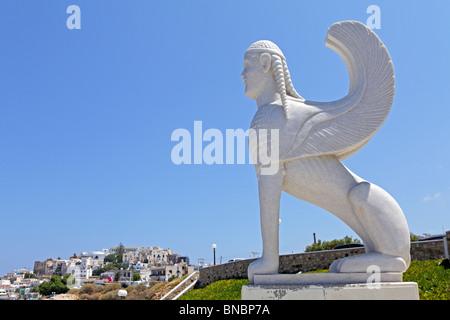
120, 252
108, 267
66, 278
56, 285
136, 277
110, 258
173, 277
121, 248
328, 245
413, 237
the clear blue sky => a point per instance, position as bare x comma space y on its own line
87, 116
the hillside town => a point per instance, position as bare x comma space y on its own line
124, 265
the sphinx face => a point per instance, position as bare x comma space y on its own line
253, 76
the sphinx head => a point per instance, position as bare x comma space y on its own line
264, 68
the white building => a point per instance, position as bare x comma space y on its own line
95, 255
140, 266
154, 255
146, 275
164, 273
5, 282
81, 271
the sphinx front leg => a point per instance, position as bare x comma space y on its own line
269, 187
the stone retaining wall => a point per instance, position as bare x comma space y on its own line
309, 261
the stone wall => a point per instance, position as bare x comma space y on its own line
309, 261
425, 250
289, 263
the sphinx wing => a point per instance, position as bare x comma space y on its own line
342, 127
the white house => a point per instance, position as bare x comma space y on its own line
5, 282
140, 266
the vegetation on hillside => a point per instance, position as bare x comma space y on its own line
152, 290
432, 277
328, 245
114, 261
109, 267
56, 285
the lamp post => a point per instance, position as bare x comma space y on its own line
122, 294
214, 252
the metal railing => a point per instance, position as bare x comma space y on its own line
179, 285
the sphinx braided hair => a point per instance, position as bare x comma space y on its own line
277, 67
284, 82
289, 86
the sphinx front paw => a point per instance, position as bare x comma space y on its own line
262, 266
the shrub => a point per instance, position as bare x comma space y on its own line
219, 290
55, 284
142, 287
174, 277
328, 245
95, 296
149, 293
136, 277
135, 295
110, 287
432, 279
74, 291
111, 295
88, 288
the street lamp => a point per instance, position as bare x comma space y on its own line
214, 251
122, 293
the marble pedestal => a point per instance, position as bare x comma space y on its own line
329, 286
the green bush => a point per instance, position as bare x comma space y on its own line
328, 245
136, 277
219, 290
142, 291
56, 285
108, 267
89, 288
110, 287
110, 295
432, 279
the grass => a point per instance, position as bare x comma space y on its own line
433, 281
220, 290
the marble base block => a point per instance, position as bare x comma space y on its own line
327, 278
358, 291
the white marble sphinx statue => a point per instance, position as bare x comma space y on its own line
314, 137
